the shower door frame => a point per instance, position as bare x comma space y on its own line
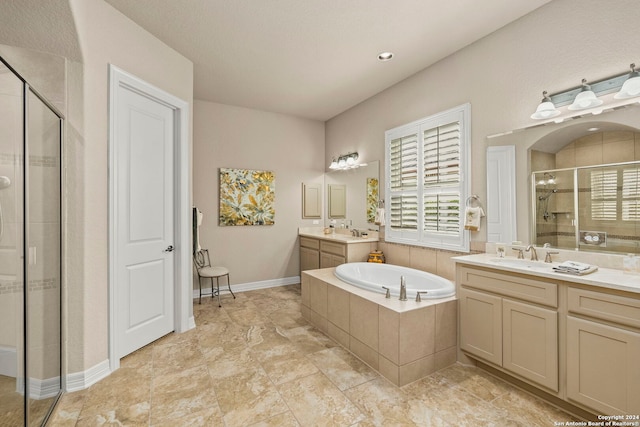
26, 90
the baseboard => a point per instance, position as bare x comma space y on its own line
252, 286
82, 380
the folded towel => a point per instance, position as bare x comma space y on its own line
574, 267
379, 219
472, 218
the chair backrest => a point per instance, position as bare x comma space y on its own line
201, 259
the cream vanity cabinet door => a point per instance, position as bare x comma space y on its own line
332, 254
603, 361
309, 253
481, 325
530, 342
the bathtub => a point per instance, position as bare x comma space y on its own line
372, 276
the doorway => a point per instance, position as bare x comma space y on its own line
149, 251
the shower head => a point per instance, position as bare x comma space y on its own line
4, 182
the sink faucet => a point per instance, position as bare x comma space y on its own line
534, 254
403, 289
355, 232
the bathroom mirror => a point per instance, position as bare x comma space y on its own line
578, 183
360, 188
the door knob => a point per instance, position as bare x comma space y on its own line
169, 249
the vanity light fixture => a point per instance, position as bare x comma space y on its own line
546, 109
631, 86
585, 99
585, 96
346, 161
385, 56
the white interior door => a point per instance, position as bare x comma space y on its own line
145, 225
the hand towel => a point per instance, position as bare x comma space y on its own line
472, 218
379, 219
197, 222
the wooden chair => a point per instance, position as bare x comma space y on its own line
203, 266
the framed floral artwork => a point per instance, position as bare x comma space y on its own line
246, 197
372, 199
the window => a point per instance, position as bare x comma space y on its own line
427, 163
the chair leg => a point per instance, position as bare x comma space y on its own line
218, 288
200, 286
229, 286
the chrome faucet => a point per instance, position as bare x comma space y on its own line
355, 232
534, 254
403, 289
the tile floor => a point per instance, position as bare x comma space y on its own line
256, 362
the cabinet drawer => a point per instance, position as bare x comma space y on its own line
306, 242
614, 308
333, 248
520, 286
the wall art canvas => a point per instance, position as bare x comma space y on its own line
246, 197
372, 199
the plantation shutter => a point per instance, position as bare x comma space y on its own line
631, 194
426, 161
604, 195
404, 178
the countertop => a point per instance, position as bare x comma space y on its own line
604, 277
318, 233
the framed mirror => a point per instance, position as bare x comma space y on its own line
578, 181
361, 195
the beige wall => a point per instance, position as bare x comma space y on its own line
234, 137
106, 36
502, 76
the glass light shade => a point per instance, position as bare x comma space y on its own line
351, 161
545, 110
630, 88
585, 99
334, 164
342, 163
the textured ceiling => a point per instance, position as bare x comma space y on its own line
314, 58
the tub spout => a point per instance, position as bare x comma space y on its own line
403, 289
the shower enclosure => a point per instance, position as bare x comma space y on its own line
30, 253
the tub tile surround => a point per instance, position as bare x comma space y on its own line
403, 340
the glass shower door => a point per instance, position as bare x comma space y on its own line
43, 231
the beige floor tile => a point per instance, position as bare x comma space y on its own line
285, 419
315, 401
255, 361
383, 403
342, 368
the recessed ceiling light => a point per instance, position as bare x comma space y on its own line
385, 56
592, 129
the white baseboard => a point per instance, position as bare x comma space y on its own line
252, 286
82, 380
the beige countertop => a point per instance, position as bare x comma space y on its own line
604, 277
318, 233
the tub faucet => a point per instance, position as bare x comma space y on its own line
403, 289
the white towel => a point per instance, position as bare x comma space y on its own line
199, 217
379, 219
472, 218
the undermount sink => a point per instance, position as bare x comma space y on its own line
522, 263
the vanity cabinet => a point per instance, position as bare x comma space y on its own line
510, 321
603, 351
309, 254
321, 253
